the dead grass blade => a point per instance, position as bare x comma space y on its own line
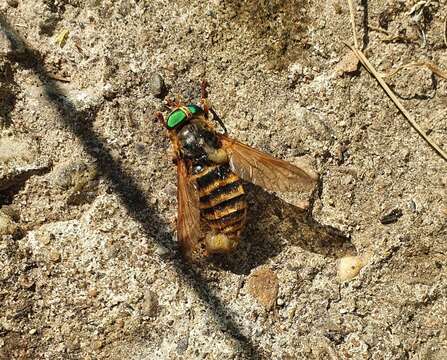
354, 31
368, 66
445, 31
432, 67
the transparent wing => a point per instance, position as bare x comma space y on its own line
188, 219
266, 171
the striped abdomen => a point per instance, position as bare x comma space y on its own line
222, 200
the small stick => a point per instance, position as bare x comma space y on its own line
385, 87
59, 78
378, 29
445, 31
396, 101
432, 67
354, 32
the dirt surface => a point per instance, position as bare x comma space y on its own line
89, 266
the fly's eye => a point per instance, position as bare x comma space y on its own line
176, 118
180, 115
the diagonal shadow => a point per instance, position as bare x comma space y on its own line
132, 196
274, 224
365, 38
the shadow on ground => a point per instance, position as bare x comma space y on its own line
272, 225
130, 193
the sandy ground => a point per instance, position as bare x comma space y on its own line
89, 266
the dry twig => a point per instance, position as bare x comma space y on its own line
445, 31
432, 67
354, 31
368, 66
396, 101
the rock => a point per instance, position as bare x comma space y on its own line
55, 256
7, 225
12, 212
81, 99
348, 64
150, 304
12, 3
349, 267
77, 178
161, 250
5, 44
92, 292
97, 344
157, 85
12, 148
263, 286
182, 345
10, 44
73, 175
18, 161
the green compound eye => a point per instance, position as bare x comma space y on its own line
181, 114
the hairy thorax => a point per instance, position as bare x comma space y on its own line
200, 145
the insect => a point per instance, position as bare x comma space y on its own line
211, 168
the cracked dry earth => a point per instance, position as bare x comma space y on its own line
89, 265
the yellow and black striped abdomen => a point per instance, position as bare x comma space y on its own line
222, 200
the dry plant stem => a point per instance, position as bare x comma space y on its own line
432, 67
385, 87
445, 31
354, 32
378, 29
396, 101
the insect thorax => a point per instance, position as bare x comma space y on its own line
197, 143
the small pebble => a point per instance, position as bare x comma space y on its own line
55, 256
119, 323
32, 331
26, 282
182, 345
150, 303
349, 267
97, 344
243, 124
11, 211
7, 225
160, 250
263, 286
92, 292
140, 148
5, 44
12, 3
391, 216
46, 238
348, 64
157, 85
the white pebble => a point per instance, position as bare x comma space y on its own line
349, 267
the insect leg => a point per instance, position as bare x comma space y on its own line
203, 92
204, 97
159, 117
206, 105
218, 119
